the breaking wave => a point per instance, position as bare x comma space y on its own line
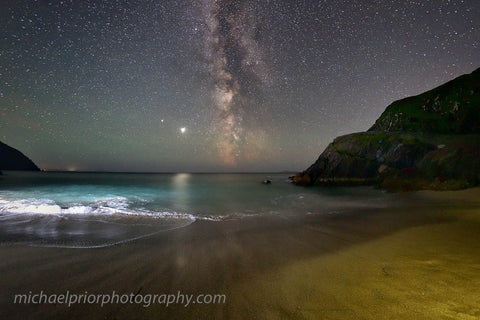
107, 206
101, 223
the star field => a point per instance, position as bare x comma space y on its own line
205, 85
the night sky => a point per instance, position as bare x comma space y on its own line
216, 85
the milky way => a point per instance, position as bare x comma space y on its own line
233, 55
258, 85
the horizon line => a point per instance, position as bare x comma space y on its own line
160, 172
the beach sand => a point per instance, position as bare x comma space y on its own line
419, 260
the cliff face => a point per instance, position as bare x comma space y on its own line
12, 159
430, 141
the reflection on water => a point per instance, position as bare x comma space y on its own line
180, 188
80, 232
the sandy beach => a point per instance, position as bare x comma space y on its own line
417, 261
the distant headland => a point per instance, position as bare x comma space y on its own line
12, 159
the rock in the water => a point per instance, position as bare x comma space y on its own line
12, 159
266, 181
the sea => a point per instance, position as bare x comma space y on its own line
91, 210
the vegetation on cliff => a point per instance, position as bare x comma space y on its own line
452, 108
429, 141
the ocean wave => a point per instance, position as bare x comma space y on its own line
100, 207
95, 224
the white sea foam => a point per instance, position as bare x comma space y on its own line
217, 218
98, 223
106, 206
103, 207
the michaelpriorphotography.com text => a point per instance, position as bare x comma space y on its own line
146, 300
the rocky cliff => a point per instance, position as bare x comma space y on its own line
12, 159
429, 141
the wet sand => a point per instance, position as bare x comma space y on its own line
419, 260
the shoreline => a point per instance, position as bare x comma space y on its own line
358, 264
394, 184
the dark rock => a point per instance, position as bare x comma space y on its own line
428, 141
12, 159
302, 179
266, 181
366, 155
